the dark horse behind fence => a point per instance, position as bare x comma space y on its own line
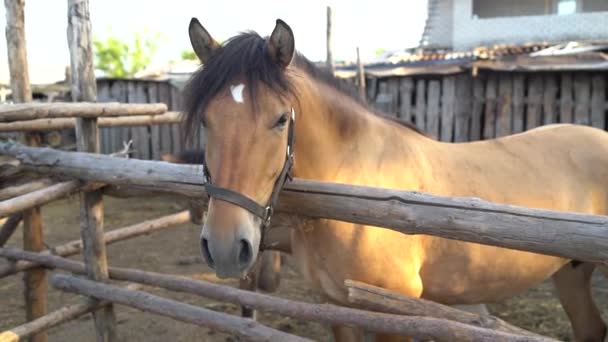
252, 94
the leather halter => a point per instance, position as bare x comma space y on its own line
263, 212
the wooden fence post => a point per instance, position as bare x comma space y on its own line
35, 280
330, 41
84, 88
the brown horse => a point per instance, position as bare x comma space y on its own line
243, 97
266, 275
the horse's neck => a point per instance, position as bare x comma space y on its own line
338, 139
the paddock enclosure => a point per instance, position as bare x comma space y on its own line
102, 118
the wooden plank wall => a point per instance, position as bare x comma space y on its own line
149, 142
453, 108
461, 107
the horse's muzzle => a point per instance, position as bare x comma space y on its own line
232, 258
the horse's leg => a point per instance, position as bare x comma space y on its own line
269, 274
573, 283
343, 333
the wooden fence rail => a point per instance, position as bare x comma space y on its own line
57, 317
570, 235
70, 123
417, 327
30, 111
119, 234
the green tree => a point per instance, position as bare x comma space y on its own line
118, 58
188, 55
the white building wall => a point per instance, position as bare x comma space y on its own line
470, 32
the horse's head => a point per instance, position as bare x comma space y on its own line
243, 98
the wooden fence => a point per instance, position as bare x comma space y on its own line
149, 142
456, 108
463, 107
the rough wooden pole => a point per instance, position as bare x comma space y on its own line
35, 279
417, 327
9, 227
115, 235
378, 299
84, 88
57, 317
70, 123
330, 41
576, 236
360, 77
246, 328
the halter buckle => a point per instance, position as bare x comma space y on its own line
269, 211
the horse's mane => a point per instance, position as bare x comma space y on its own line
244, 55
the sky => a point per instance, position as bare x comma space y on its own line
371, 25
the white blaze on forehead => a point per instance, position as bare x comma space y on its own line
237, 92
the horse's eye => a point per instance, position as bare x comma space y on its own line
282, 122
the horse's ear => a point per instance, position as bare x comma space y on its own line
203, 44
281, 44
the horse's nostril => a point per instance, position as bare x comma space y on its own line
244, 252
206, 252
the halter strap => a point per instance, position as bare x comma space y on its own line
236, 198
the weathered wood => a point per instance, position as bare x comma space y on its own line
382, 300
84, 88
360, 77
246, 328
31, 111
120, 135
38, 197
393, 90
68, 123
582, 98
518, 102
35, 282
17, 51
119, 234
55, 318
9, 227
566, 102
462, 107
570, 235
372, 89
505, 99
417, 327
406, 87
164, 95
103, 169
550, 109
329, 41
21, 189
447, 108
535, 102
432, 114
177, 140
420, 109
141, 136
598, 101
490, 112
107, 145
477, 109
154, 130
383, 99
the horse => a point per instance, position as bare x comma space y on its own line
266, 276
265, 108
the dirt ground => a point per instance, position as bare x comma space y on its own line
537, 309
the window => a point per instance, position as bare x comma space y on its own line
566, 7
